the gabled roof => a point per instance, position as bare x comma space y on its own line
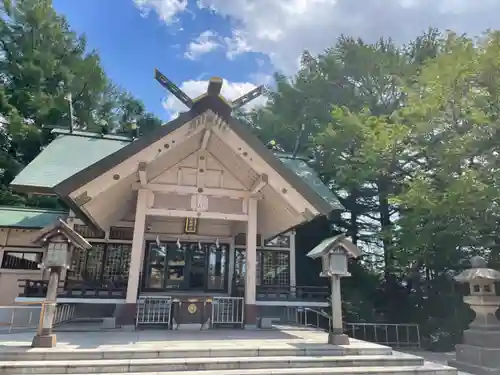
71, 161
59, 160
57, 228
84, 158
223, 110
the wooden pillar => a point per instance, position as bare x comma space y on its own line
251, 264
44, 337
127, 316
293, 267
336, 335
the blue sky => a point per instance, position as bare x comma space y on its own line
245, 41
131, 46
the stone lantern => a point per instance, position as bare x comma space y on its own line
57, 240
334, 252
480, 351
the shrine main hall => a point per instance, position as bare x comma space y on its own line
199, 210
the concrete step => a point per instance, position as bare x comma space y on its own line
29, 354
427, 369
200, 364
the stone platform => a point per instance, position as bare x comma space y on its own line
285, 350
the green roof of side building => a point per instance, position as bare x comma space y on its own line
69, 154
65, 156
21, 217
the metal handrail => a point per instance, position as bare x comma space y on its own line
301, 317
391, 334
11, 322
63, 313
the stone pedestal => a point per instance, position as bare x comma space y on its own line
44, 341
338, 339
480, 351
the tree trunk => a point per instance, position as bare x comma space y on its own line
385, 225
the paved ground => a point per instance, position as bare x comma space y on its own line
286, 337
441, 358
162, 339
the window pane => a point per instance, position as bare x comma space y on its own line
21, 261
274, 268
280, 241
217, 266
239, 266
116, 263
176, 266
94, 262
156, 267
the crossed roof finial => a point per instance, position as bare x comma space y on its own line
214, 89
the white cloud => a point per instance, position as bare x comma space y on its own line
230, 91
205, 43
236, 45
167, 10
282, 29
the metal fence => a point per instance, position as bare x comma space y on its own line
64, 313
309, 318
154, 310
27, 316
394, 335
228, 311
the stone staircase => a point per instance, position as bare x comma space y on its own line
307, 358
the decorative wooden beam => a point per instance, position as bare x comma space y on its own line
142, 172
248, 97
214, 86
174, 89
190, 190
82, 199
198, 215
262, 181
205, 139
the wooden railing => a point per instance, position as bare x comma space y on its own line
74, 289
292, 293
87, 289
287, 293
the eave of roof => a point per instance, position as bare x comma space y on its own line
64, 156
28, 218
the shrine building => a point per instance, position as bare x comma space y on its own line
198, 210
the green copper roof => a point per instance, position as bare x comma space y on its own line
20, 217
69, 154
65, 156
304, 171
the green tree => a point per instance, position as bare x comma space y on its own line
43, 65
452, 199
356, 78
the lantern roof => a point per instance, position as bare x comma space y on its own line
335, 243
478, 272
60, 227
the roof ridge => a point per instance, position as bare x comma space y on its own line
31, 209
87, 134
